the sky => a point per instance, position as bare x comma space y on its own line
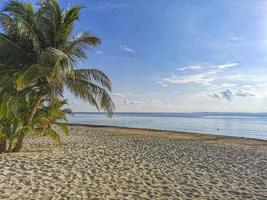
179, 56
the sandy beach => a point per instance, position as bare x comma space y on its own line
118, 163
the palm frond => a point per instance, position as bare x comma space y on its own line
71, 15
2, 136
57, 58
8, 47
24, 22
19, 132
8, 24
63, 127
95, 75
81, 89
29, 76
18, 8
77, 48
47, 132
91, 93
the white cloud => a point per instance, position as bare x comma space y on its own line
156, 101
108, 5
125, 94
222, 86
226, 65
126, 98
118, 94
212, 79
230, 94
201, 79
234, 77
163, 85
236, 39
147, 102
134, 102
131, 100
227, 94
190, 67
205, 78
214, 95
242, 93
126, 48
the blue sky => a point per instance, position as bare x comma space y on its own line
179, 56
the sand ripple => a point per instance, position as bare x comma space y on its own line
94, 165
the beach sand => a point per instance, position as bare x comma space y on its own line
118, 163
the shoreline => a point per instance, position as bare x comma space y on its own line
246, 125
175, 134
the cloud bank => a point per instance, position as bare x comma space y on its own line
205, 77
229, 95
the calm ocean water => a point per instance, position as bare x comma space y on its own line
250, 125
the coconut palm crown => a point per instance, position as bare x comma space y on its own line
40, 55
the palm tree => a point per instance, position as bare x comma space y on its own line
49, 119
40, 55
11, 129
13, 106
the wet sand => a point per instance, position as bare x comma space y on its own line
118, 163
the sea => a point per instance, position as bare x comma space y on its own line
249, 125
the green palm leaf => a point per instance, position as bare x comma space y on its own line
95, 75
48, 133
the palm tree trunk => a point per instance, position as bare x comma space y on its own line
10, 147
34, 109
2, 146
18, 145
